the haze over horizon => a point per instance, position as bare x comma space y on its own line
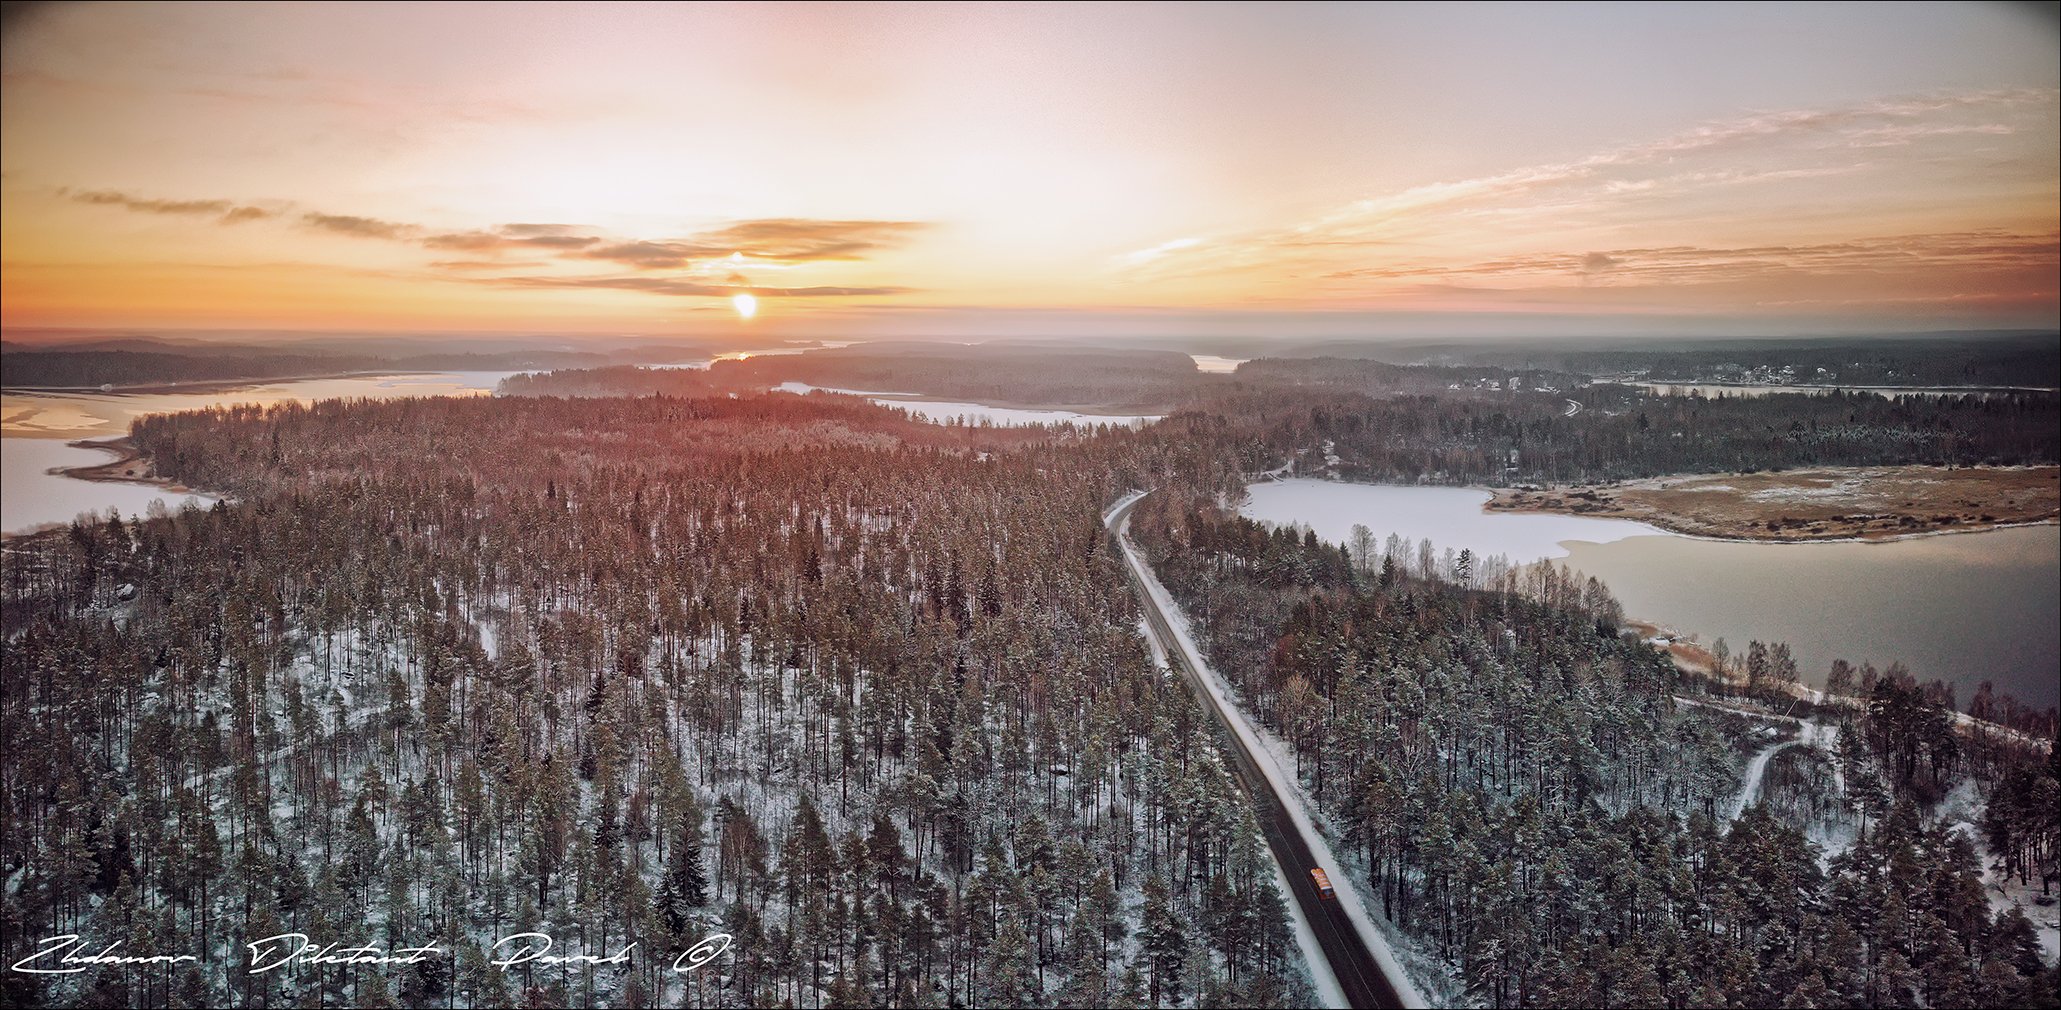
1276, 170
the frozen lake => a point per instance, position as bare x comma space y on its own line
949, 411
1965, 607
36, 424
1450, 516
769, 352
32, 496
71, 414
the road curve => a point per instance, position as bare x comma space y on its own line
1358, 972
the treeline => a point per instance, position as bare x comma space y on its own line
1768, 674
864, 694
1936, 359
1623, 434
1363, 375
617, 380
2021, 360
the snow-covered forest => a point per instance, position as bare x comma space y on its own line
1558, 812
800, 672
867, 696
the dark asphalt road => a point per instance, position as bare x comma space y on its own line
1354, 966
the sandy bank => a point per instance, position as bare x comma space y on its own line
129, 467
1831, 503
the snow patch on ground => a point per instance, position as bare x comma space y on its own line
1756, 770
1800, 494
1810, 734
2006, 892
1963, 808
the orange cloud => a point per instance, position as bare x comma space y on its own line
358, 227
507, 237
222, 210
804, 239
735, 247
652, 255
684, 287
1952, 252
1698, 208
769, 240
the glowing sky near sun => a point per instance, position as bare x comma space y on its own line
1051, 169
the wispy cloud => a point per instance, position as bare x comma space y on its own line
224, 211
731, 248
483, 265
1147, 255
684, 286
763, 242
652, 255
773, 240
510, 237
793, 239
1755, 168
1955, 251
541, 230
358, 227
1901, 135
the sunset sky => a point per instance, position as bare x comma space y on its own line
1264, 170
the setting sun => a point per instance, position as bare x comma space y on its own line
747, 306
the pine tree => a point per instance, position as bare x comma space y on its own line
1164, 944
686, 883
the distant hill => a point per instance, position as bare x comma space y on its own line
1947, 358
143, 361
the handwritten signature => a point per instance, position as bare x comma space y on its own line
537, 947
62, 955
68, 942
288, 948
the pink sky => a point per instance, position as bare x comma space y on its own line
874, 170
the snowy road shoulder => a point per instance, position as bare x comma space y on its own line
1281, 782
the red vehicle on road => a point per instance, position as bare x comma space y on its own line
1323, 883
